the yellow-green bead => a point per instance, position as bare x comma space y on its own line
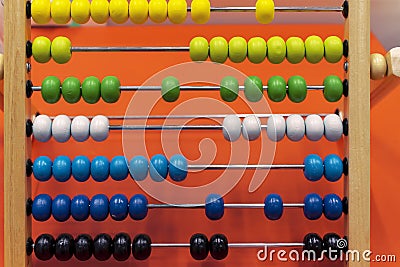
295, 50
237, 49
256, 50
314, 49
198, 49
41, 49
61, 50
218, 49
276, 50
333, 49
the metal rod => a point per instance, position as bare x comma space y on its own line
187, 88
169, 127
277, 9
195, 116
232, 245
129, 48
228, 206
245, 166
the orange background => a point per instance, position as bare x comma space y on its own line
238, 225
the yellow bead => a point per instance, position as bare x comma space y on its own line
265, 11
138, 11
61, 11
158, 10
80, 11
177, 11
119, 11
99, 11
40, 10
200, 11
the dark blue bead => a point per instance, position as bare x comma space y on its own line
80, 207
333, 207
62, 168
42, 168
100, 169
119, 168
178, 168
138, 207
313, 206
118, 207
313, 167
41, 207
158, 168
61, 208
273, 206
99, 207
81, 168
333, 168
214, 207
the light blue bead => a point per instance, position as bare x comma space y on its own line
214, 207
80, 207
61, 208
99, 207
81, 168
119, 168
313, 206
158, 168
139, 168
333, 207
41, 207
313, 167
178, 168
100, 168
62, 168
138, 207
273, 206
333, 167
42, 168
118, 207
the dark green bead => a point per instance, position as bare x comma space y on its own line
333, 90
51, 92
91, 90
110, 91
229, 88
253, 88
71, 90
297, 89
276, 88
170, 89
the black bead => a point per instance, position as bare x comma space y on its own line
28, 10
122, 247
44, 247
83, 247
345, 11
29, 246
29, 128
29, 167
28, 49
346, 127
219, 246
64, 247
345, 205
334, 246
141, 247
102, 245
313, 242
345, 87
28, 206
346, 48
28, 88
199, 247
345, 166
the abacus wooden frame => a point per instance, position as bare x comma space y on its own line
17, 147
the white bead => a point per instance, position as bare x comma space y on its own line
314, 127
251, 128
295, 127
232, 127
42, 128
80, 128
276, 128
333, 127
61, 128
99, 128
